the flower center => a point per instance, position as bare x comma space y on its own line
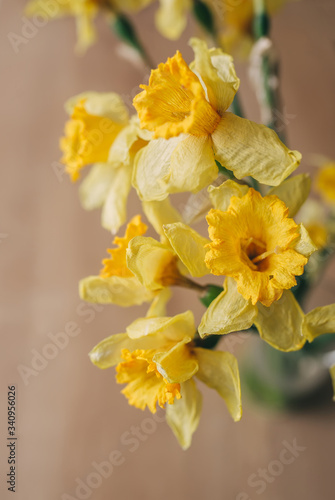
175, 102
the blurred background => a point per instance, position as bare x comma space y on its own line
71, 416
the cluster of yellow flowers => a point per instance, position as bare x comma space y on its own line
179, 140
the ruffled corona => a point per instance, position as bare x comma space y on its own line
145, 385
253, 242
87, 140
116, 264
174, 102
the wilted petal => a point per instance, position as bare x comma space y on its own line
94, 188
281, 323
178, 364
160, 213
229, 312
219, 370
183, 416
174, 328
304, 245
250, 149
293, 192
222, 194
114, 212
114, 290
319, 321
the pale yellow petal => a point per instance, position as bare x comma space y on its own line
107, 104
86, 35
171, 17
250, 149
332, 374
304, 245
40, 8
219, 370
221, 195
148, 259
178, 364
94, 188
217, 71
114, 290
293, 192
158, 305
192, 165
151, 172
114, 211
281, 323
184, 414
122, 149
229, 312
319, 321
189, 246
174, 328
160, 213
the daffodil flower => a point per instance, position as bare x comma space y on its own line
157, 359
325, 181
84, 12
101, 133
186, 109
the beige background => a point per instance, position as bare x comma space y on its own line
71, 414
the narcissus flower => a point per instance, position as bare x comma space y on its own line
158, 361
253, 241
325, 182
84, 12
186, 109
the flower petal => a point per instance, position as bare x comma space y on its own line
332, 374
174, 328
221, 195
148, 259
108, 352
319, 321
293, 192
114, 290
280, 325
229, 312
178, 364
304, 245
217, 71
184, 414
189, 246
248, 148
219, 370
160, 213
94, 188
171, 17
114, 211
107, 104
158, 305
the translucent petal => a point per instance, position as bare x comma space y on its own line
178, 364
171, 17
183, 416
114, 211
219, 370
248, 148
114, 290
304, 245
281, 324
189, 246
319, 321
229, 312
293, 192
174, 328
107, 104
160, 213
221, 195
94, 188
158, 305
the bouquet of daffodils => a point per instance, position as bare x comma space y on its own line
266, 239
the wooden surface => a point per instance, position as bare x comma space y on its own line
70, 414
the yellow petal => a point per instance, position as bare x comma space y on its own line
94, 188
108, 352
183, 416
219, 370
149, 260
248, 148
178, 364
174, 328
281, 324
189, 246
332, 374
106, 104
86, 35
171, 17
229, 312
319, 321
160, 213
293, 192
158, 305
128, 142
39, 8
114, 290
217, 72
304, 245
222, 194
114, 211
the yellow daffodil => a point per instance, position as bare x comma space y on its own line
96, 119
158, 360
116, 284
325, 182
186, 109
108, 184
84, 12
